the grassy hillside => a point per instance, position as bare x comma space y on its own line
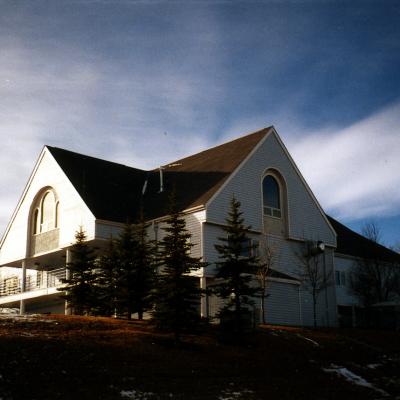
60, 357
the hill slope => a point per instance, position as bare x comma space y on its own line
60, 357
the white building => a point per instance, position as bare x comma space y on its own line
67, 191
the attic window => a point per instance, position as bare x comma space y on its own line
45, 214
271, 197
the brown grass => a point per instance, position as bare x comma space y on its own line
60, 357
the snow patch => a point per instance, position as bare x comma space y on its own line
353, 378
316, 344
136, 395
373, 366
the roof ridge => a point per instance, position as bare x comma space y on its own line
265, 130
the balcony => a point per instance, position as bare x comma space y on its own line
39, 284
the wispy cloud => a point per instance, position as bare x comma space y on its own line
146, 83
354, 171
137, 113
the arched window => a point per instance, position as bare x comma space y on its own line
271, 197
45, 214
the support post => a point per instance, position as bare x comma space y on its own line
204, 298
23, 287
67, 276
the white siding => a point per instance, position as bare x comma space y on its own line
194, 226
73, 213
305, 218
282, 306
286, 260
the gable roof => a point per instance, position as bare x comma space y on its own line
110, 190
113, 191
356, 245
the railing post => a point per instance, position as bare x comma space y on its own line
67, 276
23, 287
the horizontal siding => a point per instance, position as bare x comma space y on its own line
282, 306
287, 260
305, 218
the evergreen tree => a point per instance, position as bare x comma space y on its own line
107, 281
235, 270
177, 294
80, 283
141, 277
126, 245
133, 272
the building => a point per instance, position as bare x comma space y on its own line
67, 191
352, 250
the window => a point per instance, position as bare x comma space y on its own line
249, 247
45, 214
340, 277
271, 197
47, 219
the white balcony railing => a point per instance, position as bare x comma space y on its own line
42, 280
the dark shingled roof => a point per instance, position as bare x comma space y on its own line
354, 244
113, 191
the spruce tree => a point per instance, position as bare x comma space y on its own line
141, 278
177, 294
126, 248
79, 286
235, 269
107, 276
134, 270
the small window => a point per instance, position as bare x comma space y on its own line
340, 278
337, 278
271, 197
246, 248
249, 248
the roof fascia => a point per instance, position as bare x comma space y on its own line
305, 184
235, 171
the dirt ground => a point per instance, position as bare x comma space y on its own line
70, 357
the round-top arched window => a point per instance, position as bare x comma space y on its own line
44, 215
271, 197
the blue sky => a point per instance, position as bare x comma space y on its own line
144, 83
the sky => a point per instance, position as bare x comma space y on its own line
147, 82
